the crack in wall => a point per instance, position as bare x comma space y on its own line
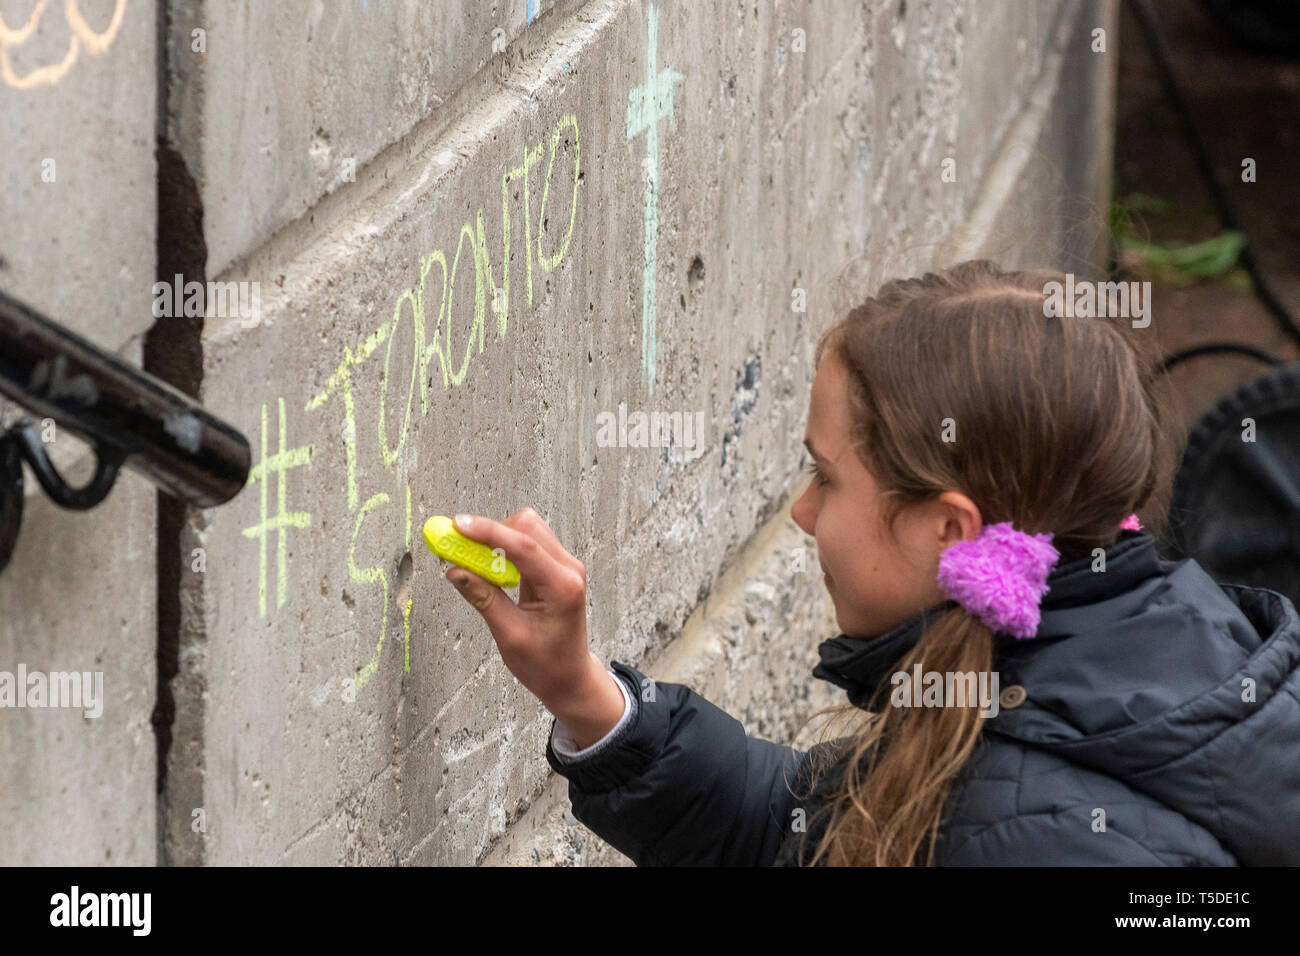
172, 352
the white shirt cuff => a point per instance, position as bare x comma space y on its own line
562, 738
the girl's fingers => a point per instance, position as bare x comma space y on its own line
532, 559
531, 523
527, 593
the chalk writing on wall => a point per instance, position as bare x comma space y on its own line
83, 36
431, 335
647, 105
278, 465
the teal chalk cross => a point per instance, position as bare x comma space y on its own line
647, 105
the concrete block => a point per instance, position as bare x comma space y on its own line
79, 596
77, 199
1045, 189
281, 101
77, 169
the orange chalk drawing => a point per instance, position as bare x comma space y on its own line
83, 35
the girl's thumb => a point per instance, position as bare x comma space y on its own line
472, 588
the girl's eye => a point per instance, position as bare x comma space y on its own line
812, 469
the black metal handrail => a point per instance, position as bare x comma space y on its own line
126, 415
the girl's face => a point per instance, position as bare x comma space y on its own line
876, 581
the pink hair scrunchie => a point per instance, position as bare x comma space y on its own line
1000, 577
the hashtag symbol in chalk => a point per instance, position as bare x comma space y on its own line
278, 464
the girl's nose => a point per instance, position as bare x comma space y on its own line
802, 513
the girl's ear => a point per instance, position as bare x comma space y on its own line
959, 518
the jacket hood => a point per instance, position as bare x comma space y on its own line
1151, 673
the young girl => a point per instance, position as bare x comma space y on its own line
975, 462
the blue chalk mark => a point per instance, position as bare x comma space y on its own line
532, 12
647, 105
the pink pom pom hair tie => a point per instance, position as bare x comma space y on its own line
1000, 577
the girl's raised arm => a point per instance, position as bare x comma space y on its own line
681, 783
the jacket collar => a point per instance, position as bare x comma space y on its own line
1076, 592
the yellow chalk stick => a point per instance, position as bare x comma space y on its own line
446, 542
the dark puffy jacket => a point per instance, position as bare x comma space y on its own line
1168, 702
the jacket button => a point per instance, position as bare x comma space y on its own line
1012, 697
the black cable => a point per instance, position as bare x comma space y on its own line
1215, 348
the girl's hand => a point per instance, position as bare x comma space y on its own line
543, 638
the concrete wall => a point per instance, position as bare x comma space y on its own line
354, 710
471, 231
77, 230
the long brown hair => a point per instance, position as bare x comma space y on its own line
1060, 426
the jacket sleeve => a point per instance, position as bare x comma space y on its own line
683, 785
566, 748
